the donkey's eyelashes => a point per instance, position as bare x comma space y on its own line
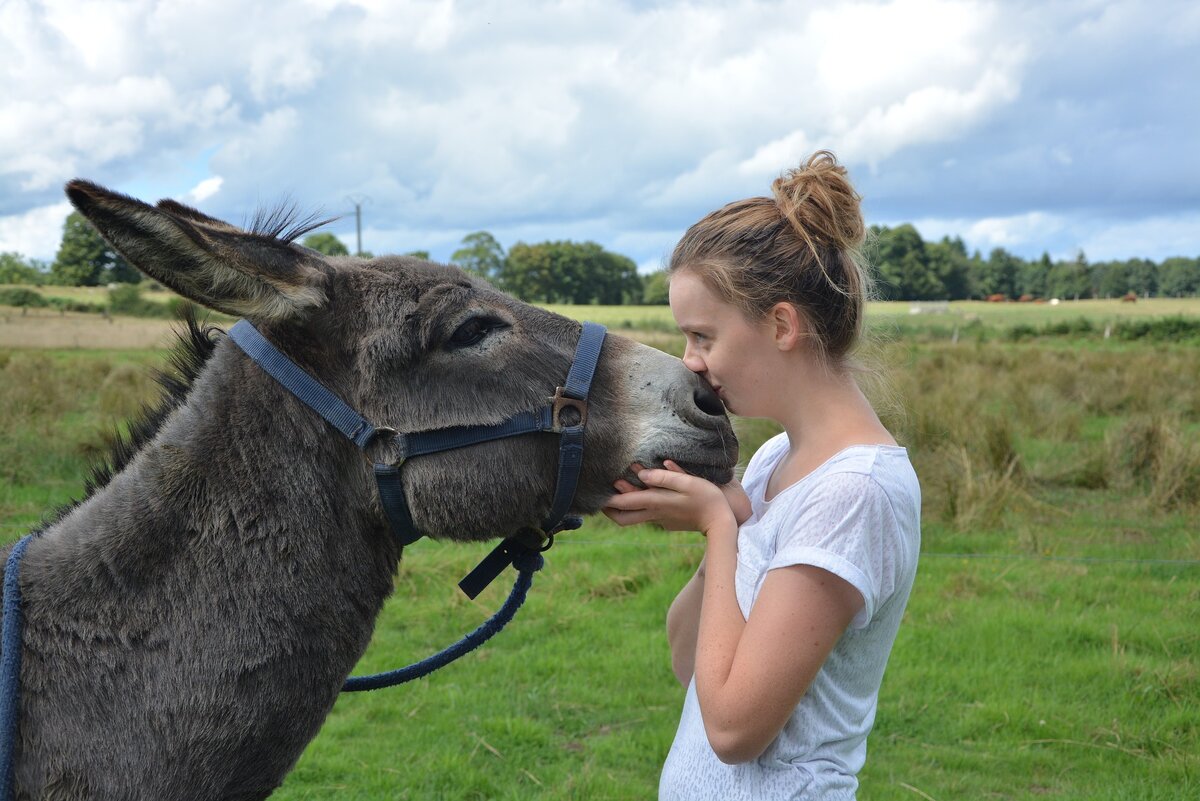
473, 331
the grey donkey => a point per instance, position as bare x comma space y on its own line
188, 625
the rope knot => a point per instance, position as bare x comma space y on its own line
528, 561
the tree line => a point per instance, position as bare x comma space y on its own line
908, 268
905, 267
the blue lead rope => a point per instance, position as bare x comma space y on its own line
527, 563
10, 664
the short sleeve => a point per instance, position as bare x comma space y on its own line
845, 525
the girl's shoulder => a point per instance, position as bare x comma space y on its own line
767, 455
883, 470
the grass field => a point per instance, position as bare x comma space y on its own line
48, 328
1049, 649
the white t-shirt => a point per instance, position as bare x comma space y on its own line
857, 516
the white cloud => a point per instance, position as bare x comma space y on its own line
204, 190
1157, 237
34, 233
926, 115
600, 120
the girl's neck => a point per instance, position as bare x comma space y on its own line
827, 412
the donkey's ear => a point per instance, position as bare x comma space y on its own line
209, 261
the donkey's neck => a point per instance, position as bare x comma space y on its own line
241, 470
228, 577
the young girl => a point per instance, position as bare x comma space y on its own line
782, 635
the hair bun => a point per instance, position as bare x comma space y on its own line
819, 201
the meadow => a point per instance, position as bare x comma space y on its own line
1049, 649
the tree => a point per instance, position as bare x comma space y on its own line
1110, 280
656, 289
325, 243
15, 270
83, 255
1070, 279
949, 262
1179, 276
85, 259
570, 272
481, 255
904, 271
998, 275
1143, 276
120, 271
418, 254
1032, 276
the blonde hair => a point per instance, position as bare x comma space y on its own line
802, 246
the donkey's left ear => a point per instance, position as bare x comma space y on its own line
216, 264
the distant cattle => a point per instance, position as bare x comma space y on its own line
1129, 297
997, 298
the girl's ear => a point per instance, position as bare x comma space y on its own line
788, 324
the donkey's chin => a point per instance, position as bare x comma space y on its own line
717, 474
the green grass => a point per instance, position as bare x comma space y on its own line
1049, 649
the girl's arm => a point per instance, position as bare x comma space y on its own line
751, 674
683, 626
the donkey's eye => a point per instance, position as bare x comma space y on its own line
474, 330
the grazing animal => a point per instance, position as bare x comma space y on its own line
189, 624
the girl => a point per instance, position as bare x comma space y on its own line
782, 635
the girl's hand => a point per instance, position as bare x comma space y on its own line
674, 499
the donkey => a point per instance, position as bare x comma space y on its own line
188, 625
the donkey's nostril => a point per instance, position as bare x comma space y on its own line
707, 400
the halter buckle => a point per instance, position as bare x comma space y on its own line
561, 402
384, 437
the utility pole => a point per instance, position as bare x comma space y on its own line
358, 201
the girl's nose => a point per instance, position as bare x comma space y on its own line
692, 361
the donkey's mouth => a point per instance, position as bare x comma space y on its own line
717, 474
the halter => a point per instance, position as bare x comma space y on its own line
549, 419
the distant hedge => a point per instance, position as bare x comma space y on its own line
22, 296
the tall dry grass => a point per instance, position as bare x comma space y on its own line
1096, 418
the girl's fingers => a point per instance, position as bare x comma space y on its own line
628, 500
674, 468
624, 486
665, 479
626, 518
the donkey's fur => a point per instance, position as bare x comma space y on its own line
189, 624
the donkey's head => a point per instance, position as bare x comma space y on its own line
416, 346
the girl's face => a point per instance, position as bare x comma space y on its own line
724, 347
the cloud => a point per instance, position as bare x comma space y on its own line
1062, 236
34, 233
616, 122
204, 190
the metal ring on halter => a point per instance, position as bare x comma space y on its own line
385, 434
560, 402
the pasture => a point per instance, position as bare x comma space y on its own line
1049, 649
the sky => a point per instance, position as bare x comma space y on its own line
1033, 126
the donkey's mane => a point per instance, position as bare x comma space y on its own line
286, 222
194, 345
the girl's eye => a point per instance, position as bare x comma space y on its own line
473, 331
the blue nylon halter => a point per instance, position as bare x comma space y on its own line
355, 427
573, 394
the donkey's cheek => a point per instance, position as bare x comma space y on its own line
482, 492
